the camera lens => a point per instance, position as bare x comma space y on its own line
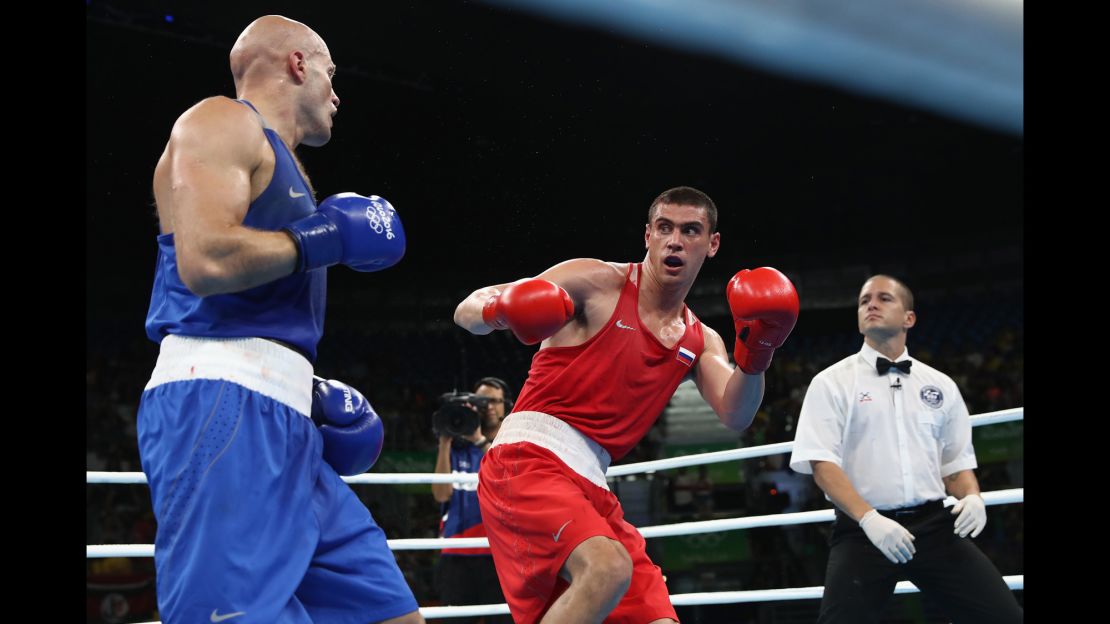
455, 418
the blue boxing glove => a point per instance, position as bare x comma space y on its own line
352, 431
363, 233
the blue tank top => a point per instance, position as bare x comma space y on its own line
290, 309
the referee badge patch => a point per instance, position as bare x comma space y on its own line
932, 396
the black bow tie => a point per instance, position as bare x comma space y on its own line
884, 365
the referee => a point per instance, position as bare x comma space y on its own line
886, 444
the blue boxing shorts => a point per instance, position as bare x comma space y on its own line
253, 525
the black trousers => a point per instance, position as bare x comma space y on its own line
859, 580
470, 580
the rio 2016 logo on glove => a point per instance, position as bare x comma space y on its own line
380, 217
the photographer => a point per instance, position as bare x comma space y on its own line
466, 425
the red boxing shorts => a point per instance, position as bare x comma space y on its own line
536, 510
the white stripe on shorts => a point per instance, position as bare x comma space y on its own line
254, 363
581, 454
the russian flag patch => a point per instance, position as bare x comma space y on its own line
685, 356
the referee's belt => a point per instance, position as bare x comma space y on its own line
917, 510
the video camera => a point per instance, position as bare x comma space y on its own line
459, 414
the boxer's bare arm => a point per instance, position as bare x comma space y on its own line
202, 186
733, 395
592, 285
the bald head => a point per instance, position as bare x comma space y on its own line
263, 46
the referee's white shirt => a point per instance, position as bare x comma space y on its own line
895, 435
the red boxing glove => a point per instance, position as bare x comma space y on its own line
533, 308
764, 307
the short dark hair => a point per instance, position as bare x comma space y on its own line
494, 382
506, 392
906, 294
686, 196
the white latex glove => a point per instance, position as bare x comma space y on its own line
973, 515
891, 538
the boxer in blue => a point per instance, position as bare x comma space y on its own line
242, 446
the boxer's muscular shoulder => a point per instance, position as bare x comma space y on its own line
582, 277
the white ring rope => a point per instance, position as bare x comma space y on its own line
1014, 582
396, 478
1000, 497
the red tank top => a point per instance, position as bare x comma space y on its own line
612, 387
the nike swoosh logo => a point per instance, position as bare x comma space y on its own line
623, 326
215, 617
556, 535
294, 194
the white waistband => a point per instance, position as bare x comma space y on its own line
254, 363
580, 453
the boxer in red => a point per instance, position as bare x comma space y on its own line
616, 340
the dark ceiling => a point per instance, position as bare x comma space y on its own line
509, 143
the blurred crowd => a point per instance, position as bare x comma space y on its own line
403, 371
